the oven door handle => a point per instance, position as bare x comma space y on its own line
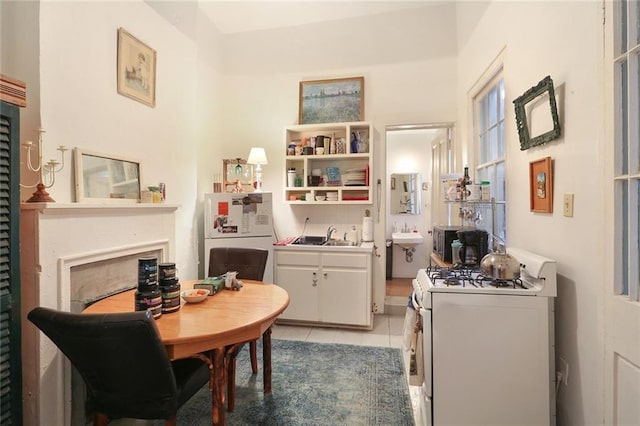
427, 353
414, 302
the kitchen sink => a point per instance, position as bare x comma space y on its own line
407, 240
316, 240
310, 240
340, 243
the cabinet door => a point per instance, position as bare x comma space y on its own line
345, 297
302, 285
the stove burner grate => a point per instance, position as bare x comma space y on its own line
452, 281
497, 282
453, 276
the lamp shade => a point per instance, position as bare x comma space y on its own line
257, 156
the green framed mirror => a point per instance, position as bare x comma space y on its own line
537, 115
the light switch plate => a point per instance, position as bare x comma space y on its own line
567, 205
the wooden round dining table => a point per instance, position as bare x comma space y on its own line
212, 327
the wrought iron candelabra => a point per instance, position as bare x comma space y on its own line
47, 171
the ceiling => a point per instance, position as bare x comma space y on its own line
231, 17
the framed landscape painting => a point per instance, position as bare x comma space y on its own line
331, 101
136, 69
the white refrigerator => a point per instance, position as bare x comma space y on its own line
239, 220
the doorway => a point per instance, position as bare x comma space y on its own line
425, 151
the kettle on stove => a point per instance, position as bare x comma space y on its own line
499, 264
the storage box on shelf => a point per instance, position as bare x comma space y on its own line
334, 172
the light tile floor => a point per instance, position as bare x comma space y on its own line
388, 331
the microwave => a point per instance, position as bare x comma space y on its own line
443, 236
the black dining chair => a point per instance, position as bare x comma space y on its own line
123, 363
250, 263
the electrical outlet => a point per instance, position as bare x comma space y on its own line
567, 205
563, 369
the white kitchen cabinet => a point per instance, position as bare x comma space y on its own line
354, 184
298, 274
326, 286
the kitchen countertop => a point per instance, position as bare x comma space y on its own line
364, 247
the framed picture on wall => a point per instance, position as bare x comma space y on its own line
331, 101
541, 185
537, 115
136, 69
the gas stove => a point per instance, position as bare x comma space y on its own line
453, 305
537, 278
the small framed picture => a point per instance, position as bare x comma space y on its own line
541, 185
331, 101
136, 69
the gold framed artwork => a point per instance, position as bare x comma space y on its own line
236, 174
541, 185
136, 69
331, 101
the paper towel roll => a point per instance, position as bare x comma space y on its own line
367, 228
352, 235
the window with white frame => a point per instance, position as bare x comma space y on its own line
489, 141
626, 144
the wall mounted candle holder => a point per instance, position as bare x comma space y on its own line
47, 171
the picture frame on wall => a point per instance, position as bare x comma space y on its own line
136, 69
331, 101
236, 175
541, 185
537, 117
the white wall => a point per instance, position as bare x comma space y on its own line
20, 59
408, 79
560, 39
202, 117
79, 105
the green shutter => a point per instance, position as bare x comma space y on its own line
10, 330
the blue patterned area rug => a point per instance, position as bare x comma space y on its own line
315, 384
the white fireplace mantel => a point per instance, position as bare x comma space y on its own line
53, 238
97, 208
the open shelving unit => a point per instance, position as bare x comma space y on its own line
344, 161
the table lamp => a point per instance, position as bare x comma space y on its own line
258, 157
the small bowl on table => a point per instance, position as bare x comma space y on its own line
320, 198
195, 295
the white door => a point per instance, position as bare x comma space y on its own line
441, 164
622, 283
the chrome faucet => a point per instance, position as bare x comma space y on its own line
330, 231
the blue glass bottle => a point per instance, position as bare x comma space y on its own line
354, 142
